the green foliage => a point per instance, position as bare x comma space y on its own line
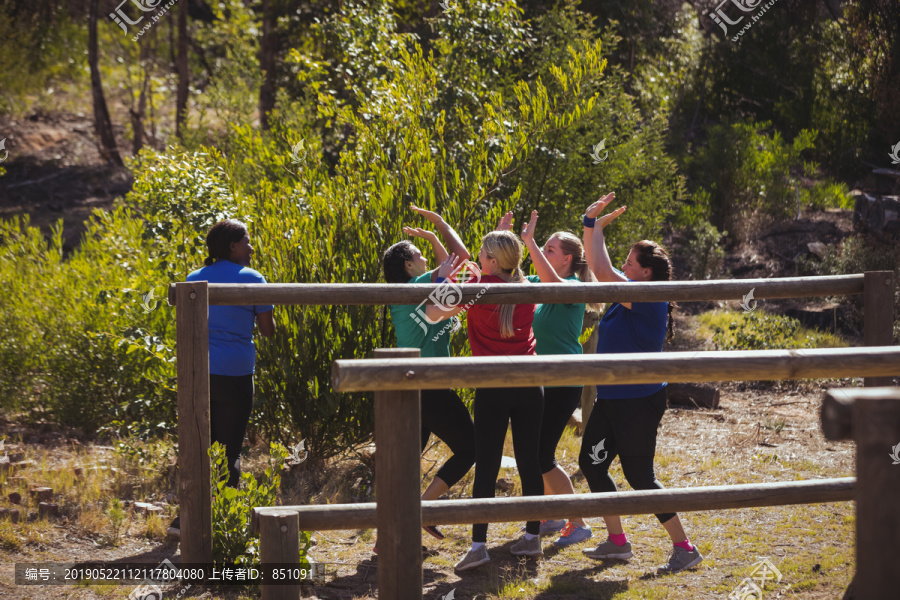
747, 173
705, 252
233, 541
117, 516
758, 330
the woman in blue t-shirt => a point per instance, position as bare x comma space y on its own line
625, 418
443, 412
232, 353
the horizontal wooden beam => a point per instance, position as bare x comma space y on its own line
338, 294
604, 369
501, 510
837, 409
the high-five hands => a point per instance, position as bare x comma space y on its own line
529, 227
593, 211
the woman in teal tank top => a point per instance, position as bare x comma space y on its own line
443, 412
557, 328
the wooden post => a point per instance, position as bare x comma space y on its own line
874, 424
878, 315
398, 477
192, 347
279, 544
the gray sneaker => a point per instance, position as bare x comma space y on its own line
472, 559
526, 547
680, 560
609, 551
550, 526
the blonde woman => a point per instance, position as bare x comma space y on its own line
501, 330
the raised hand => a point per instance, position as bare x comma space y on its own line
529, 227
609, 218
419, 232
450, 266
505, 222
430, 216
597, 207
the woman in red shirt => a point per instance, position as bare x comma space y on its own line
501, 330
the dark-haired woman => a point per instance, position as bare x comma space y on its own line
443, 412
232, 353
625, 418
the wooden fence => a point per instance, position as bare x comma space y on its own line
396, 376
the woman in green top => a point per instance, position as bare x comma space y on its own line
557, 328
443, 412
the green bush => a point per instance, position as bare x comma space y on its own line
705, 252
233, 541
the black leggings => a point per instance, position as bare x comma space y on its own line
494, 410
559, 404
445, 415
230, 402
627, 427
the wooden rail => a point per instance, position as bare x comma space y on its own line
332, 294
650, 367
500, 510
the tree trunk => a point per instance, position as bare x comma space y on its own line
267, 50
102, 123
181, 67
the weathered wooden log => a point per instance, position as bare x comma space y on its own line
192, 338
878, 315
397, 487
643, 367
871, 418
279, 544
693, 395
511, 293
501, 510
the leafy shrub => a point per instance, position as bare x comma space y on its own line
233, 541
758, 330
705, 252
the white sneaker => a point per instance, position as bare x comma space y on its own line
472, 559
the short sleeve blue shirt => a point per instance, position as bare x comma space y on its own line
231, 347
641, 329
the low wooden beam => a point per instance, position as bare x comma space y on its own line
649, 367
547, 293
501, 510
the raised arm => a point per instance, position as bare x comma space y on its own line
543, 268
440, 253
451, 238
590, 215
597, 254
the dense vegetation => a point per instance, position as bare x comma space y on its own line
319, 125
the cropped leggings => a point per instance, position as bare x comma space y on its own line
627, 428
230, 403
495, 409
559, 404
445, 415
